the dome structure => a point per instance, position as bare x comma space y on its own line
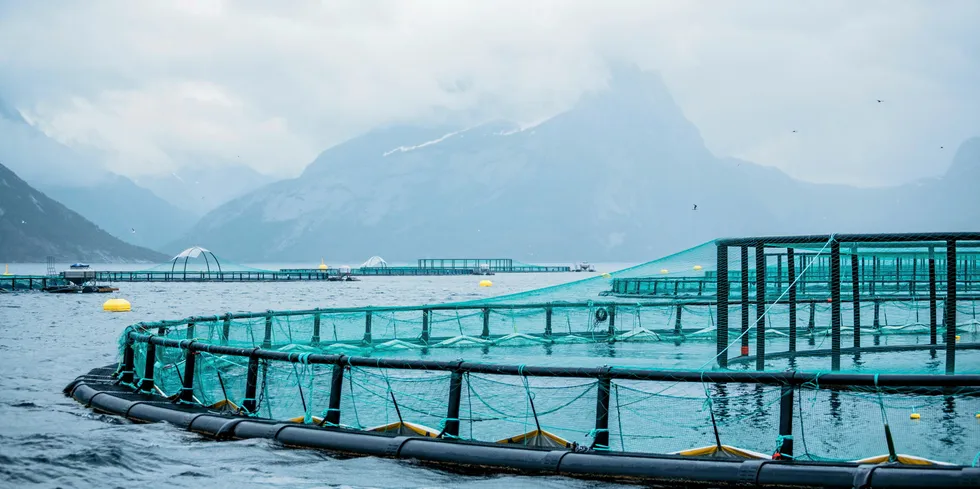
375, 262
194, 252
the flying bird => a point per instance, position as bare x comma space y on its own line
695, 207
940, 147
879, 100
794, 130
134, 230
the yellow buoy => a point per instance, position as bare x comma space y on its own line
6, 269
957, 337
978, 415
663, 270
116, 305
486, 283
914, 416
698, 267
323, 266
606, 275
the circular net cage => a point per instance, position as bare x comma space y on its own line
826, 348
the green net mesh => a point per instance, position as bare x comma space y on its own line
882, 310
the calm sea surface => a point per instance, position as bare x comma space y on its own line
48, 440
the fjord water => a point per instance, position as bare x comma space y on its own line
49, 440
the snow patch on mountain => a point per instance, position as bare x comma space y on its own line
405, 149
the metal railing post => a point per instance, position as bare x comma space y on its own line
721, 286
601, 439
367, 328
250, 404
187, 386
791, 276
336, 389
486, 323
451, 428
835, 304
267, 340
760, 306
785, 448
950, 307
128, 367
315, 340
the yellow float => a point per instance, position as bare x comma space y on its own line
116, 305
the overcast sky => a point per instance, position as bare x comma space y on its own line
272, 86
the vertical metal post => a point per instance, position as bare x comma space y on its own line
451, 429
601, 440
785, 449
336, 389
874, 274
721, 285
486, 323
146, 383
856, 297
612, 322
191, 331
548, 313
315, 340
760, 306
425, 326
187, 387
877, 320
811, 324
835, 304
251, 381
779, 273
267, 340
932, 297
226, 329
791, 277
745, 300
367, 328
128, 367
950, 306
915, 274
677, 319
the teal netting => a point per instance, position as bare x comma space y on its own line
881, 310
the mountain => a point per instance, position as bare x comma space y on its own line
125, 210
78, 179
201, 185
614, 178
33, 226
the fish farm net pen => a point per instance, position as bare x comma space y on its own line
839, 351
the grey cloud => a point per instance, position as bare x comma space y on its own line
143, 81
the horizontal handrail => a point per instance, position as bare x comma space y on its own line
796, 378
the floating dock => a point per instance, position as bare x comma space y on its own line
30, 282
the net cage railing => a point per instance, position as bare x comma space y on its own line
722, 413
831, 376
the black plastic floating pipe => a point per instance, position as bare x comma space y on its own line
494, 457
